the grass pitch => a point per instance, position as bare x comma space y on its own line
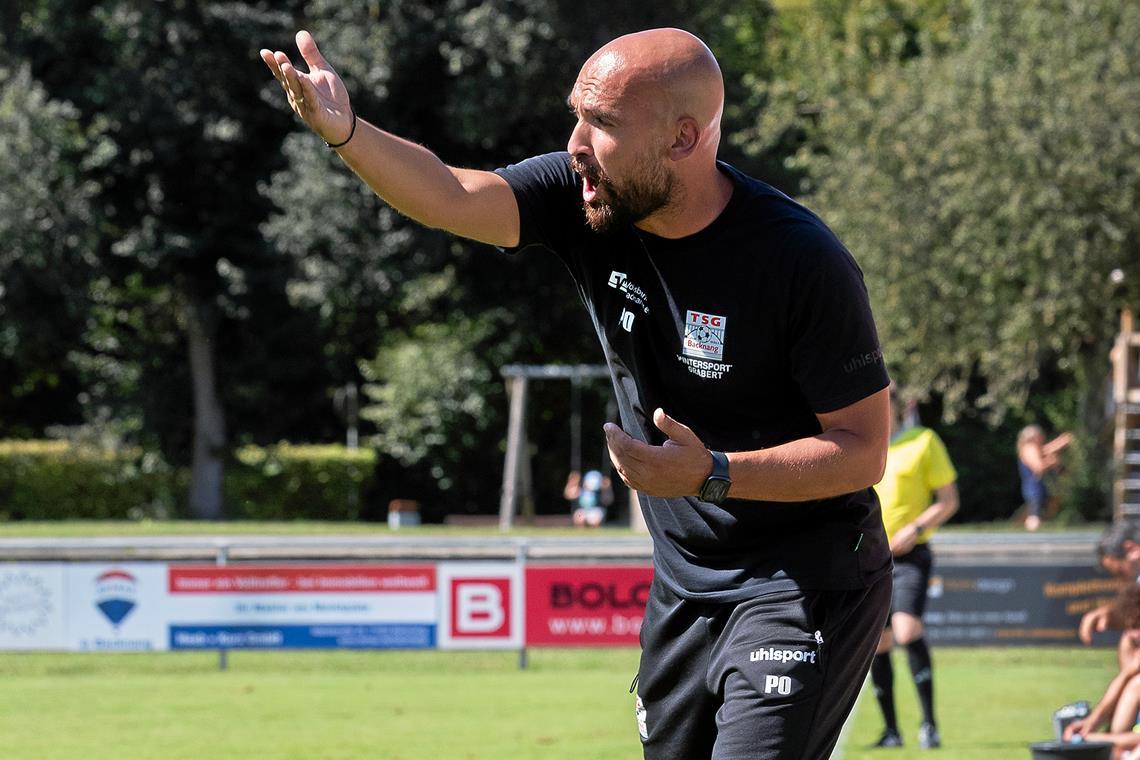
459, 705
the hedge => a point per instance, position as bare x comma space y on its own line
58, 480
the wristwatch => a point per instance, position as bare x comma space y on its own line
715, 489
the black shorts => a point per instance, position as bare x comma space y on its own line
912, 577
770, 678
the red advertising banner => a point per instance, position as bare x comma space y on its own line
586, 605
276, 579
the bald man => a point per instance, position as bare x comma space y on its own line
752, 391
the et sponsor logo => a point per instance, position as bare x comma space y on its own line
592, 596
480, 607
704, 335
116, 595
25, 604
771, 654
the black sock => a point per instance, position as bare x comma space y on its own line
921, 668
883, 679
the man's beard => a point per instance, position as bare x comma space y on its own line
629, 203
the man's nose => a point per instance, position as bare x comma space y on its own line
579, 143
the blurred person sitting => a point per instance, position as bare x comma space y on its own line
1036, 458
591, 494
1118, 553
1118, 708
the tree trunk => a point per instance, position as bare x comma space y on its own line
207, 467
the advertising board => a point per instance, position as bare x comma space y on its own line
585, 605
302, 606
996, 605
480, 605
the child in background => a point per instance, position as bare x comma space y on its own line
1035, 459
591, 493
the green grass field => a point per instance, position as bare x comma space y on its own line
445, 705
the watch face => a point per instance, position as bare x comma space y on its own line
715, 490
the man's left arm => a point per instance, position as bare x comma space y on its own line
847, 455
944, 506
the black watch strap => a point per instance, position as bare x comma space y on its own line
720, 465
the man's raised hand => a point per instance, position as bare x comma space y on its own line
318, 96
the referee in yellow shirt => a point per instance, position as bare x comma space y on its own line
918, 493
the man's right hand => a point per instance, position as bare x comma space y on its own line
319, 96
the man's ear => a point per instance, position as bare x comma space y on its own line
686, 136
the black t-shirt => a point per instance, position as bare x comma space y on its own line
743, 331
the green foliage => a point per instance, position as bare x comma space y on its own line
48, 233
985, 457
989, 193
298, 482
60, 480
822, 52
54, 480
433, 401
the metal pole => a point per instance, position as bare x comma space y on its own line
220, 561
576, 424
516, 387
520, 558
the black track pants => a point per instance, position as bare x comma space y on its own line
768, 678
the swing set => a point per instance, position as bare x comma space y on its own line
518, 489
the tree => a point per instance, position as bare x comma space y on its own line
48, 228
989, 193
182, 266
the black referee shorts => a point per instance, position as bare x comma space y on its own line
912, 576
764, 679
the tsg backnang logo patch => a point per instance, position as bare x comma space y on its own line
704, 335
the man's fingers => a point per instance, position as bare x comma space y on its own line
267, 59
625, 446
270, 59
310, 52
616, 438
675, 430
295, 85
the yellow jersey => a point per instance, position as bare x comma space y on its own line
917, 465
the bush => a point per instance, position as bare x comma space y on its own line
58, 480
288, 482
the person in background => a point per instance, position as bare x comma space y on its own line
1118, 707
1035, 459
1118, 553
591, 494
917, 468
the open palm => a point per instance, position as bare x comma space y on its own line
317, 96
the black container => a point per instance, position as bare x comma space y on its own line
1067, 751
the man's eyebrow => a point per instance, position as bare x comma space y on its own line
597, 113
